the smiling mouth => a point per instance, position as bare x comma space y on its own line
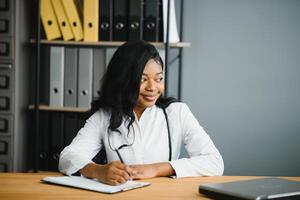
149, 97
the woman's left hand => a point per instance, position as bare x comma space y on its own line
144, 171
152, 170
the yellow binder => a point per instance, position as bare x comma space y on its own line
91, 20
49, 21
62, 20
71, 11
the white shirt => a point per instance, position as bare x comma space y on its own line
149, 136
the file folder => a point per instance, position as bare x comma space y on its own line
45, 75
56, 138
56, 76
106, 20
98, 70
109, 52
173, 33
135, 25
44, 141
49, 21
70, 79
91, 20
72, 13
153, 24
85, 70
120, 31
71, 127
62, 20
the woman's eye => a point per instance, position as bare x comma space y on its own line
143, 80
159, 79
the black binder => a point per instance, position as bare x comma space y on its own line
56, 139
135, 24
153, 21
106, 20
43, 143
45, 75
70, 127
120, 31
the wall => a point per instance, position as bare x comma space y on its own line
241, 79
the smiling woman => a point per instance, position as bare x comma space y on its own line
140, 130
151, 88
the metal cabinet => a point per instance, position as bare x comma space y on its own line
14, 61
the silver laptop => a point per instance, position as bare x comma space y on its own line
258, 189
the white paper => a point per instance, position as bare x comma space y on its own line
94, 185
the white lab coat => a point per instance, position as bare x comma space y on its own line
149, 136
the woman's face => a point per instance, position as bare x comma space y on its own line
152, 85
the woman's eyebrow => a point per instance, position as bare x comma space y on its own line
159, 73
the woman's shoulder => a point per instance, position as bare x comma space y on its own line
178, 107
99, 115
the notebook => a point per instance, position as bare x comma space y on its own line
257, 189
92, 184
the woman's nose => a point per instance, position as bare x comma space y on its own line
150, 86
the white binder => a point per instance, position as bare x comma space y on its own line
109, 52
56, 76
173, 32
85, 77
70, 86
99, 68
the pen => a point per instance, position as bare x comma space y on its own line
121, 159
119, 155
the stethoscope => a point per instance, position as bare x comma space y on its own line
119, 147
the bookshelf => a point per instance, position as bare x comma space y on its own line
62, 113
106, 43
59, 109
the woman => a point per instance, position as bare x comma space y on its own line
140, 130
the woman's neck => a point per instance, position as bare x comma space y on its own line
138, 111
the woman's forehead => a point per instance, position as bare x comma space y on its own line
152, 67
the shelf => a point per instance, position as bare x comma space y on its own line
106, 44
60, 109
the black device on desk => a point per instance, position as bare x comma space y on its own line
256, 189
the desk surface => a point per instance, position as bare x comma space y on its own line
28, 186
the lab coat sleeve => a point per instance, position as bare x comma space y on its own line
83, 148
205, 159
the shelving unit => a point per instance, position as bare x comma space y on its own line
59, 109
43, 109
15, 62
106, 44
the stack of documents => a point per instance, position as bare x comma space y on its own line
94, 185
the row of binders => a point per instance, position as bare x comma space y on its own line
108, 20
74, 75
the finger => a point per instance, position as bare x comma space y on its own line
114, 182
115, 179
118, 164
121, 180
130, 170
118, 168
137, 175
122, 173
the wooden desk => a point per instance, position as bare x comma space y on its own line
29, 187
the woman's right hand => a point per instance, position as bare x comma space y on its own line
113, 173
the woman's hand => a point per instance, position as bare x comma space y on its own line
114, 173
152, 170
